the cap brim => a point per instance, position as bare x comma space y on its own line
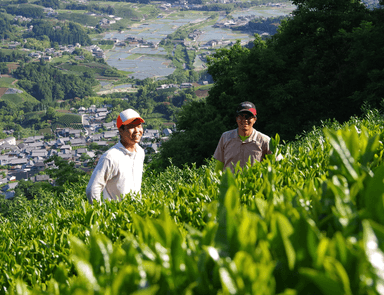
133, 121
246, 110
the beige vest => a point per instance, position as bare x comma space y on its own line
231, 149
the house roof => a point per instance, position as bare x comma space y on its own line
11, 185
78, 141
91, 154
101, 143
74, 131
65, 156
42, 177
167, 131
39, 153
110, 134
17, 161
7, 146
110, 124
81, 151
36, 144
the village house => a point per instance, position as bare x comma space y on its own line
16, 163
38, 154
36, 145
110, 134
13, 45
81, 151
22, 18
46, 57
76, 133
186, 85
39, 166
150, 134
109, 125
167, 132
38, 178
9, 140
78, 142
34, 55
65, 156
101, 143
96, 137
65, 149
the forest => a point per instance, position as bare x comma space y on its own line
64, 34
6, 29
48, 84
26, 10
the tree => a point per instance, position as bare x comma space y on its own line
30, 189
51, 114
64, 173
199, 130
3, 68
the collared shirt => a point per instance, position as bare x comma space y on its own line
117, 173
231, 149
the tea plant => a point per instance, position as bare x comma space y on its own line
310, 223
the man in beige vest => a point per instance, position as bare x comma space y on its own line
243, 143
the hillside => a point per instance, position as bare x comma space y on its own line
309, 224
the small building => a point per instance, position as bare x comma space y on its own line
38, 178
46, 58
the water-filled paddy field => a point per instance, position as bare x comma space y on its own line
153, 62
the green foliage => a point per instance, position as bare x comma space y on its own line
63, 171
79, 18
308, 224
26, 10
49, 3
90, 67
68, 120
6, 82
112, 72
30, 190
69, 32
3, 68
47, 83
11, 56
12, 98
6, 29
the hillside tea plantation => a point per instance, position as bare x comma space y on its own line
311, 223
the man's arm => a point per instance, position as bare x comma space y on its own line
219, 155
98, 180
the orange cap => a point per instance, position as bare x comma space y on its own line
129, 116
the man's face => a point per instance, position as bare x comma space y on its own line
245, 121
131, 134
